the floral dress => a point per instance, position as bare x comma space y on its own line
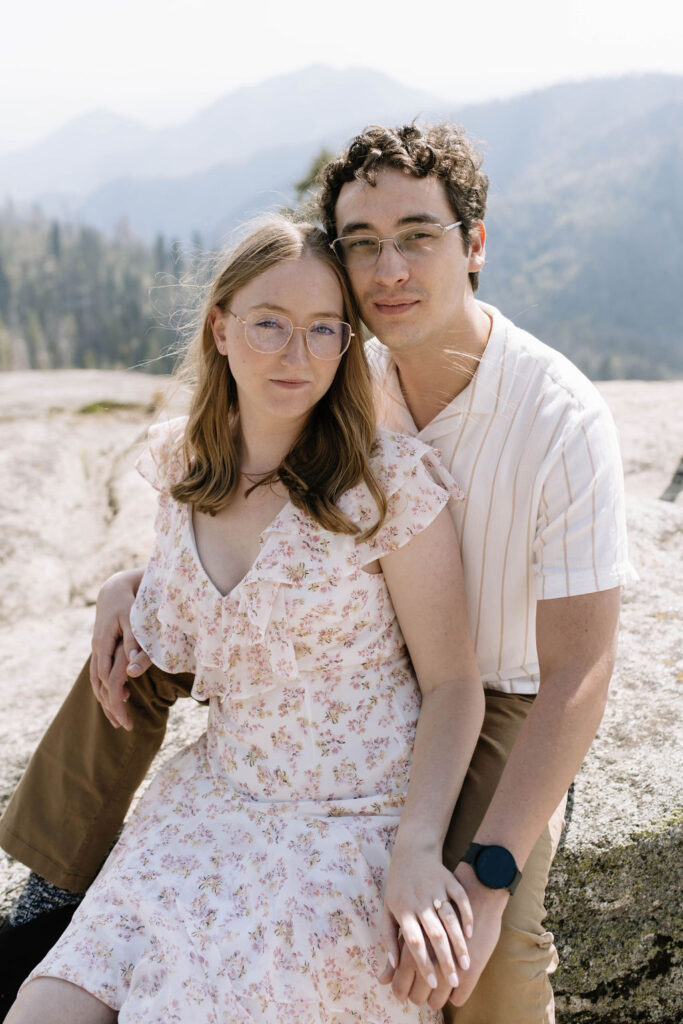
247, 886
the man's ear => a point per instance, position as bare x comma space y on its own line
218, 322
477, 257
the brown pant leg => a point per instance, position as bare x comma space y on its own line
64, 815
514, 988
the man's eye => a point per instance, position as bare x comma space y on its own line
418, 235
359, 243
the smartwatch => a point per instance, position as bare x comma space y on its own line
494, 866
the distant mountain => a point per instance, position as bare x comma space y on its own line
585, 220
72, 161
284, 111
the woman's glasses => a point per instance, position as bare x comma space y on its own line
270, 332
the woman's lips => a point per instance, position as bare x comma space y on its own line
290, 383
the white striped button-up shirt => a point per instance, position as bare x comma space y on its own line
534, 447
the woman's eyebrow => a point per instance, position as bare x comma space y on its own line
324, 314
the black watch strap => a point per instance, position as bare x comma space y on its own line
494, 866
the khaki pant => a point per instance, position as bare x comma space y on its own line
69, 805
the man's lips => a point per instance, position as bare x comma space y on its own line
394, 308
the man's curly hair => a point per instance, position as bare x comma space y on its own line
439, 149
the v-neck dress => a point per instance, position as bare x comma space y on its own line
247, 886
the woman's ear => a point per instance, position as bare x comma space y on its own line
219, 324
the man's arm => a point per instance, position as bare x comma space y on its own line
576, 641
115, 652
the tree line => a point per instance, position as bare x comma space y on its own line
71, 297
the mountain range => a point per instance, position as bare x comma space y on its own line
585, 216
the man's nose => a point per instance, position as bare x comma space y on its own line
391, 266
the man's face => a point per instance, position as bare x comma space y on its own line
409, 303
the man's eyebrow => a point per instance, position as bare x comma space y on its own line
411, 218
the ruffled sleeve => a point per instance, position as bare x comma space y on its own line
417, 487
162, 463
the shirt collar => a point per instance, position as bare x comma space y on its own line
481, 396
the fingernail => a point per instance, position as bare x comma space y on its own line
453, 980
392, 960
465, 963
431, 980
468, 931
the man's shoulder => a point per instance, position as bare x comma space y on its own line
542, 374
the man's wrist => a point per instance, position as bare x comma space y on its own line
494, 866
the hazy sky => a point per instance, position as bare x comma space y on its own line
161, 60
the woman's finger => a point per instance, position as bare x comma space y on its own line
451, 922
440, 943
389, 940
457, 893
411, 929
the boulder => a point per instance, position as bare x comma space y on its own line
77, 511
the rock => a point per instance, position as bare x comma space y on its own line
72, 510
614, 897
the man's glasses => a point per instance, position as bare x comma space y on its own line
270, 332
416, 242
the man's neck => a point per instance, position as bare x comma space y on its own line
432, 376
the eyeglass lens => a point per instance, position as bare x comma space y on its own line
269, 332
413, 242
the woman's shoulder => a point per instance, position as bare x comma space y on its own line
399, 459
163, 462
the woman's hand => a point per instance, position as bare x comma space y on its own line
115, 652
427, 903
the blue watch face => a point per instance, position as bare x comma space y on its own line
495, 867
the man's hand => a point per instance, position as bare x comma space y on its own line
487, 909
115, 653
487, 906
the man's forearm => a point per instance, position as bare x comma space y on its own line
576, 641
547, 754
577, 645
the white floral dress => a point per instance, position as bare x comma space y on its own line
247, 886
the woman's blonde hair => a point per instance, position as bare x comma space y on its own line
331, 453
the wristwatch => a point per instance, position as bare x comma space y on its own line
494, 866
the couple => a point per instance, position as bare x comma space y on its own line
295, 555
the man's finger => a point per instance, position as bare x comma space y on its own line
404, 976
138, 663
117, 690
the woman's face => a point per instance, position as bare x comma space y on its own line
284, 385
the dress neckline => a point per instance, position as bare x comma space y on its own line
188, 511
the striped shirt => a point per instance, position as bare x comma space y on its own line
535, 449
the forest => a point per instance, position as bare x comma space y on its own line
72, 297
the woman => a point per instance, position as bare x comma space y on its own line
298, 555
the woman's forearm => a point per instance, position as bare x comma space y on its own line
447, 732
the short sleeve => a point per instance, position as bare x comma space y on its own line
580, 545
162, 463
417, 488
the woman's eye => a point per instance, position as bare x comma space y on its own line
324, 329
268, 323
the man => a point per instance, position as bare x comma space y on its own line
544, 551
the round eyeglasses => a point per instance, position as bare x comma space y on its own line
270, 332
414, 242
